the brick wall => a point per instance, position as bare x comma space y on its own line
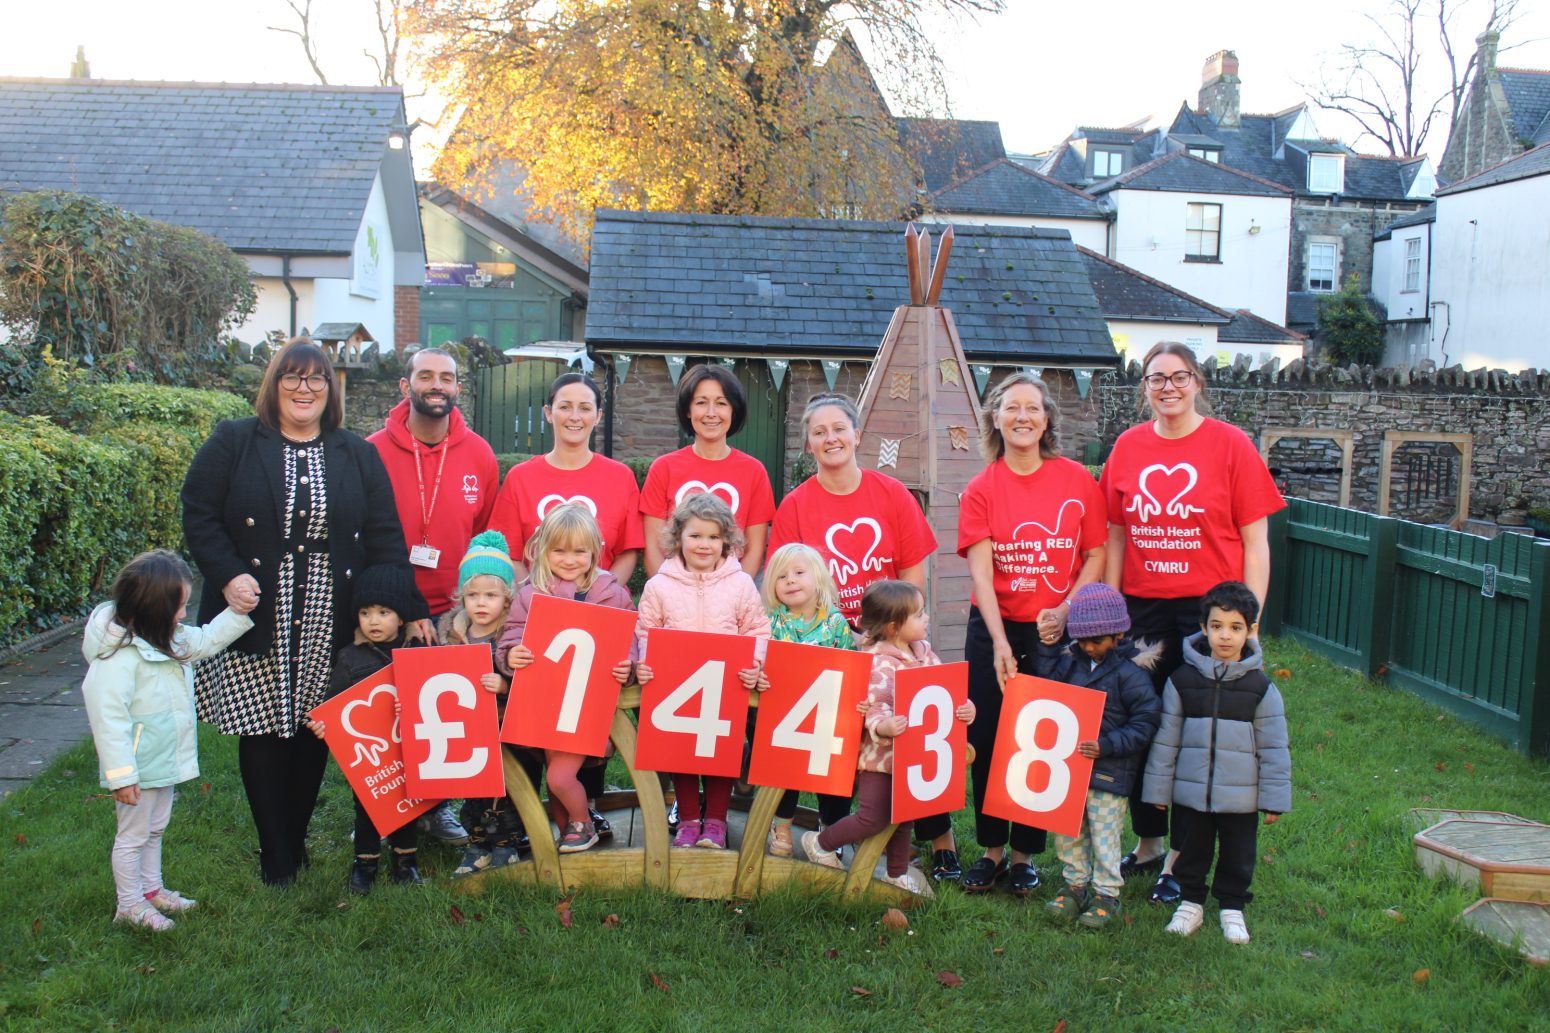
406, 316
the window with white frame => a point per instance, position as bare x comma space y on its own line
1326, 173
1412, 265
1202, 232
1107, 163
1323, 265
1210, 154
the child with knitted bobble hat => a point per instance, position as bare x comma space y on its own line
1100, 659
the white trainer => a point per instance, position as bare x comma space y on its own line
817, 854
1233, 929
1186, 920
171, 902
145, 916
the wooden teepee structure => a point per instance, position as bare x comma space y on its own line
920, 423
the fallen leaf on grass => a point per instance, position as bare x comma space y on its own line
1308, 955
146, 970
457, 915
1421, 975
521, 930
1469, 767
611, 922
1396, 914
1060, 1027
1319, 911
657, 981
949, 979
861, 991
478, 917
831, 953
567, 919
997, 951
21, 840
893, 918
1440, 766
37, 923
1130, 919
1283, 673
204, 789
564, 903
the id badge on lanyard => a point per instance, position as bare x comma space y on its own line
423, 555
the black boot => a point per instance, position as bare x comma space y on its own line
362, 874
405, 873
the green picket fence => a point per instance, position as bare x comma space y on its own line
1454, 618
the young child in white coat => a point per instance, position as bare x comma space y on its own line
139, 693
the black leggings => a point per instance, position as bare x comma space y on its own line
368, 841
1167, 622
281, 777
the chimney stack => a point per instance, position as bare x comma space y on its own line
1485, 53
79, 68
1219, 88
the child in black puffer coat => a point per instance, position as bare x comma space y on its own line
1100, 660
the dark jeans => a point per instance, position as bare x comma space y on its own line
1239, 835
985, 693
874, 804
368, 840
281, 777
830, 808
1168, 622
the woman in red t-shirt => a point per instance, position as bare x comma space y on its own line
1189, 500
865, 525
1032, 525
712, 407
571, 472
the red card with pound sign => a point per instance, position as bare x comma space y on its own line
451, 742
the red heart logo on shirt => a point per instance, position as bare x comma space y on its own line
1160, 491
548, 502
852, 547
727, 493
1067, 523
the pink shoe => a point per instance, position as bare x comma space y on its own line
688, 833
714, 835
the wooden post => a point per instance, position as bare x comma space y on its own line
1534, 712
1377, 595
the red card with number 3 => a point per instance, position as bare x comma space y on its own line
694, 710
928, 759
565, 699
1036, 776
451, 744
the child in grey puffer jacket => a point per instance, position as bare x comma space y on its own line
1220, 757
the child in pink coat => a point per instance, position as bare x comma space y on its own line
701, 586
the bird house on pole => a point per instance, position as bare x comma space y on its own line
920, 423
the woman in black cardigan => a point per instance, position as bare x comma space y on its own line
285, 508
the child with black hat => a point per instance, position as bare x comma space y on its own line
1100, 659
381, 597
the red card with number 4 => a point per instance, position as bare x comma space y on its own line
360, 726
928, 759
1036, 776
809, 729
451, 744
565, 699
694, 710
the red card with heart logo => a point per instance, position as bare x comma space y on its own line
809, 730
1036, 776
694, 711
565, 699
360, 726
451, 742
929, 757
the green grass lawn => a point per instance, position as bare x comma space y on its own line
1327, 955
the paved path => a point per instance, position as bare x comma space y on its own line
41, 713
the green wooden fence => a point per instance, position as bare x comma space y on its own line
1454, 618
509, 405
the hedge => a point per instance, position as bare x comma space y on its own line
75, 504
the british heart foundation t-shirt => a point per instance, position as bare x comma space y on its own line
1181, 502
740, 480
605, 486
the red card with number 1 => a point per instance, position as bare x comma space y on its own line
1036, 776
565, 699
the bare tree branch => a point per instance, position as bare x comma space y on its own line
304, 15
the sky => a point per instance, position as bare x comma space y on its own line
1039, 69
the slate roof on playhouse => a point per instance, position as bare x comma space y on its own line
748, 285
1006, 188
261, 167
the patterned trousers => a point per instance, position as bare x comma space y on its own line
1091, 858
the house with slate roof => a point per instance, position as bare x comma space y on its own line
311, 185
1467, 280
1506, 112
947, 149
1005, 193
1142, 311
1340, 198
1214, 231
797, 305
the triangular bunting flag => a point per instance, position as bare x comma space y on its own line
1084, 379
778, 369
622, 366
981, 378
726, 361
1037, 371
831, 369
675, 367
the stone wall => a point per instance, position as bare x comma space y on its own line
370, 396
1353, 223
1507, 416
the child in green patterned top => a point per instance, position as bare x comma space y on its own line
804, 607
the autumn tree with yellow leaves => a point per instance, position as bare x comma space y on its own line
743, 107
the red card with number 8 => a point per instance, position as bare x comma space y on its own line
694, 710
451, 743
565, 699
809, 729
1036, 776
928, 759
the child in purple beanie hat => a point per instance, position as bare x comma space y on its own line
1100, 659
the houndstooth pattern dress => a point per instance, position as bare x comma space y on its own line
271, 693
